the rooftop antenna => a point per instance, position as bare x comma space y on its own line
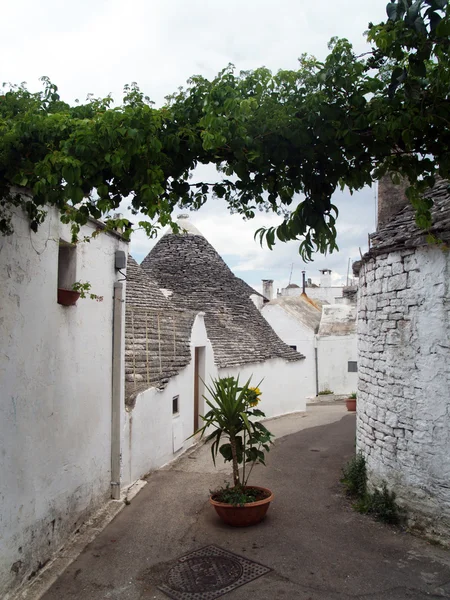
290, 276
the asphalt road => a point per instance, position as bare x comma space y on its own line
317, 547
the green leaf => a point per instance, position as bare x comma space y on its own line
391, 10
443, 29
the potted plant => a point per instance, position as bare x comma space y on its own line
79, 290
351, 402
241, 441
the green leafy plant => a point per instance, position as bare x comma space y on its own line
380, 503
236, 435
354, 476
281, 142
237, 496
353, 396
84, 289
325, 392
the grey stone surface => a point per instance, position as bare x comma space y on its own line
404, 364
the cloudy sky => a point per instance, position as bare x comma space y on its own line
97, 46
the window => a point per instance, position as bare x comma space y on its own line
67, 265
175, 408
352, 366
293, 347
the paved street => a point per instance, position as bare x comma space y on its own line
317, 547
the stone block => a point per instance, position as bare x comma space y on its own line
397, 282
393, 258
382, 428
410, 262
391, 419
370, 277
402, 444
371, 411
397, 268
390, 439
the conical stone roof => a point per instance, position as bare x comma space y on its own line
188, 266
157, 335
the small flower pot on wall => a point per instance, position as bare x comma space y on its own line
67, 297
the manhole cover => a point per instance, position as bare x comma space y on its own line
209, 573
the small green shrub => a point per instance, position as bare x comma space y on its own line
354, 476
380, 503
325, 392
383, 507
353, 396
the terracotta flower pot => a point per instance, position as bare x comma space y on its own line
246, 515
67, 297
351, 404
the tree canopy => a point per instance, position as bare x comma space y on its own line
344, 121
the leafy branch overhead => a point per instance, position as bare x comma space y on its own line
341, 122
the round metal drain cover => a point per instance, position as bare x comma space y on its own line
205, 574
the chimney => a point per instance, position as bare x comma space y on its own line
391, 199
304, 282
267, 288
325, 277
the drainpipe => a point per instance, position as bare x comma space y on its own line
116, 389
317, 367
304, 282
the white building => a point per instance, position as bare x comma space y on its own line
324, 333
56, 391
404, 363
337, 349
324, 292
296, 320
190, 319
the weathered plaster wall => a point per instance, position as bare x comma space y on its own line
152, 434
281, 386
328, 294
333, 353
55, 394
404, 379
294, 333
325, 294
336, 346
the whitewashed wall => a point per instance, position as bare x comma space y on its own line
294, 333
333, 354
152, 435
330, 294
404, 379
281, 386
55, 394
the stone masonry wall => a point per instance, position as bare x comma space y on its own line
403, 423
